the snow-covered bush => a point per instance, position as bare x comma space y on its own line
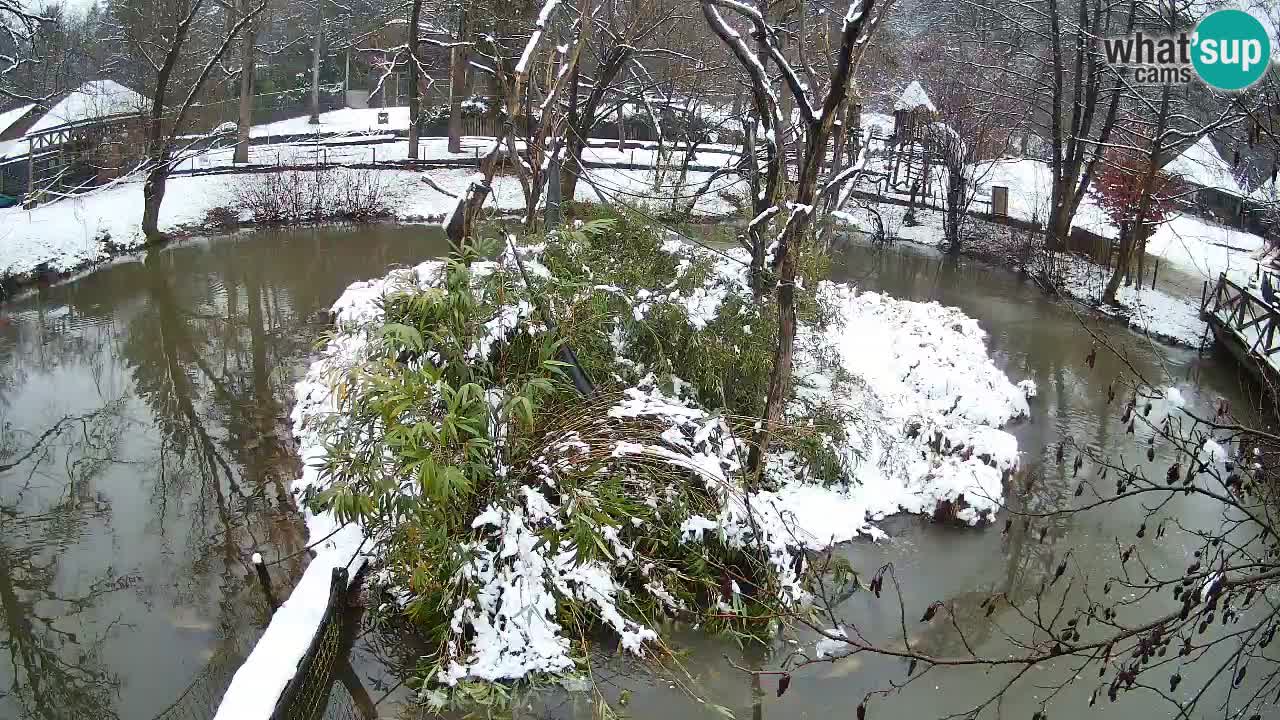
511, 516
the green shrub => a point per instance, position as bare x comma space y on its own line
461, 418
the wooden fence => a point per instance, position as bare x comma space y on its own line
1244, 322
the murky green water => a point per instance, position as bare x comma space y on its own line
155, 393
163, 386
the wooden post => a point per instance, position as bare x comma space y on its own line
31, 170
622, 127
265, 581
999, 201
1155, 270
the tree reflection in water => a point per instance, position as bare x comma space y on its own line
197, 434
125, 536
54, 649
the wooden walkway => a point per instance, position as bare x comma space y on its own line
1245, 324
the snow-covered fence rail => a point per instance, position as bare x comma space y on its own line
299, 686
1244, 323
307, 693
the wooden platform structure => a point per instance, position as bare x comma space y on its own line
1245, 324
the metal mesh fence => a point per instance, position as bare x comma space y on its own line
306, 697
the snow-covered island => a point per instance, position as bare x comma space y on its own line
505, 513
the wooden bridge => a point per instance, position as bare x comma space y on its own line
1244, 323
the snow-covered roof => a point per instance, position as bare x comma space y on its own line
914, 97
1201, 165
9, 117
91, 101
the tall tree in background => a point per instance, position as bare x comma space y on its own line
458, 58
1137, 197
967, 71
513, 73
624, 32
1157, 125
415, 103
179, 43
18, 27
317, 46
248, 70
1083, 100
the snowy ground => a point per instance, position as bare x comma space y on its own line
926, 374
1157, 312
1168, 316
1199, 247
75, 232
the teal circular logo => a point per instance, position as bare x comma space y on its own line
1231, 49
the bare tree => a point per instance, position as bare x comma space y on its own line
18, 27
968, 74
415, 103
1077, 134
180, 42
816, 120
459, 224
622, 34
1155, 130
248, 71
317, 46
457, 80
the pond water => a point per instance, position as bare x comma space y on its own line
156, 393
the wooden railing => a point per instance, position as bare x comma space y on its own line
1245, 314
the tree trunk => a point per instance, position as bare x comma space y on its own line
575, 138
817, 129
315, 68
457, 85
415, 104
247, 72
788, 248
1075, 153
955, 208
153, 196
582, 117
1139, 227
837, 166
1124, 256
159, 145
1140, 249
